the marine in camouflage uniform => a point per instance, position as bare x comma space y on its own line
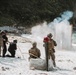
34, 52
12, 48
1, 42
51, 50
5, 40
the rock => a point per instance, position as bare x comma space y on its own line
40, 64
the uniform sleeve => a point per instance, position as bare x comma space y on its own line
31, 53
55, 44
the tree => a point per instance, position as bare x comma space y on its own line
28, 12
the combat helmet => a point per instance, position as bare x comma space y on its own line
34, 43
49, 35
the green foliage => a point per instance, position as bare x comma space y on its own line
6, 21
29, 12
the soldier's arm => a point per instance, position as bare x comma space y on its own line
30, 53
55, 44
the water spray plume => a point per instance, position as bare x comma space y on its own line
60, 28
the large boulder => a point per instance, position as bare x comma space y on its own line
40, 64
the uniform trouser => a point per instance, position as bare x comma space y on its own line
53, 58
4, 50
12, 52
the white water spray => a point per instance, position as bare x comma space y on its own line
60, 28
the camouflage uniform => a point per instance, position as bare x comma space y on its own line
51, 50
34, 52
12, 48
5, 40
